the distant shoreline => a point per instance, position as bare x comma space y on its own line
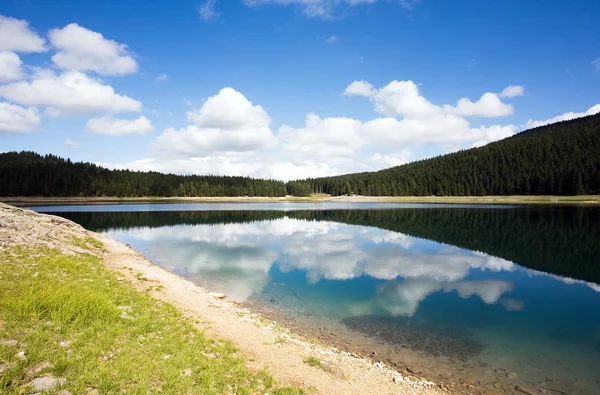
531, 199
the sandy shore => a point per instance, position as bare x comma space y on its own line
263, 343
584, 199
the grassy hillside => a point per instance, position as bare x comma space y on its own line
558, 159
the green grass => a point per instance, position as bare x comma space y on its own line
121, 341
313, 361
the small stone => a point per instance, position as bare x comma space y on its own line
21, 355
37, 369
524, 390
333, 368
187, 372
3, 367
47, 383
218, 295
9, 343
92, 391
64, 392
511, 375
168, 356
65, 343
35, 274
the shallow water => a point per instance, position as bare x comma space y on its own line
497, 296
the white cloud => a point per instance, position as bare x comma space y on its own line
15, 35
332, 39
487, 135
323, 8
10, 66
360, 88
596, 63
392, 160
86, 50
70, 93
489, 105
16, 119
118, 127
227, 122
207, 10
563, 117
329, 139
230, 135
403, 98
161, 77
71, 144
513, 91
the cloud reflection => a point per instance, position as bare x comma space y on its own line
237, 258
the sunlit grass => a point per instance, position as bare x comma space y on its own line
73, 319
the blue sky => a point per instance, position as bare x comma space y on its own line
288, 88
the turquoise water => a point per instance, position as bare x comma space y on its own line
496, 296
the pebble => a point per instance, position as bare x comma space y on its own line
524, 390
64, 343
217, 295
21, 355
47, 383
9, 343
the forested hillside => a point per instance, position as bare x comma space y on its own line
558, 159
30, 174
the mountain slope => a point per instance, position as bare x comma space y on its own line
30, 174
558, 159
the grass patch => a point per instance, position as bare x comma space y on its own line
74, 320
313, 361
87, 243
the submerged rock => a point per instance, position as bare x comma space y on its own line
400, 332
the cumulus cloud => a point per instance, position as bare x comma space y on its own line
118, 127
71, 144
489, 105
227, 122
69, 93
360, 88
86, 50
563, 117
10, 66
16, 119
207, 10
16, 36
322, 139
513, 91
228, 128
396, 159
404, 99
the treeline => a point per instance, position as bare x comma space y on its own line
561, 240
30, 174
558, 159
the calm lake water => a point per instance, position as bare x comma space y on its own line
497, 296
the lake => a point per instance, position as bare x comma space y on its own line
497, 296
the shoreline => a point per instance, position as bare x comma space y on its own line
263, 343
524, 200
